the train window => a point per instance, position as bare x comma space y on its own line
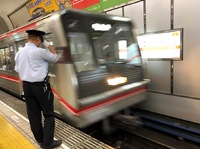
113, 42
20, 44
81, 52
1, 58
5, 59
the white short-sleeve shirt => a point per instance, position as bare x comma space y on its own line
31, 62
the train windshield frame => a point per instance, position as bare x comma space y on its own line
96, 41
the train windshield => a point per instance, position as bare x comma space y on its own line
97, 41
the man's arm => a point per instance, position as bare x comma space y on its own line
51, 49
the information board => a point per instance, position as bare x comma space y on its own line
166, 45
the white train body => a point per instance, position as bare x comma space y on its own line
94, 49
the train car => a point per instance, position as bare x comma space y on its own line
100, 71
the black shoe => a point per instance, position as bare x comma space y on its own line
40, 144
55, 144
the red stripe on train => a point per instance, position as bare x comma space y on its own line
99, 104
74, 111
11, 78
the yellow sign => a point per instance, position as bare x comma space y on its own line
38, 7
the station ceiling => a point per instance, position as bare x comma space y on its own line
8, 6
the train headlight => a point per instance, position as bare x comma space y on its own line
116, 80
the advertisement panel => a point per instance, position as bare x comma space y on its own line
94, 8
38, 7
105, 4
82, 4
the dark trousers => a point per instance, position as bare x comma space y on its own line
39, 98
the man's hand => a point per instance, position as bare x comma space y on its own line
46, 43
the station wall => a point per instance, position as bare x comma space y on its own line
182, 96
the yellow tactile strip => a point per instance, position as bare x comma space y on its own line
11, 138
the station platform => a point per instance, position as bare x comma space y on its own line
16, 134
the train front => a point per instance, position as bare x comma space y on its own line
107, 71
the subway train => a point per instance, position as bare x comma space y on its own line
100, 72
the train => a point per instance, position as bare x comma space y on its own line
100, 72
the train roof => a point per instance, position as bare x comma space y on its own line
95, 14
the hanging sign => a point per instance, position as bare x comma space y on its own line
82, 4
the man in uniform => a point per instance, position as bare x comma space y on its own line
31, 63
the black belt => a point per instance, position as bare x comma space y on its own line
42, 82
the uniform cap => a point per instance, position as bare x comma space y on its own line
37, 33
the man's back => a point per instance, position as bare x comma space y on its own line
32, 63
